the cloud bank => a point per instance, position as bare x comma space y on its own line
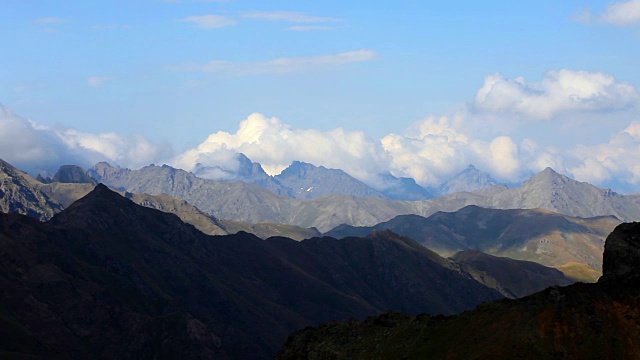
33, 147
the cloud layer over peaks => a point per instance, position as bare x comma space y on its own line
275, 145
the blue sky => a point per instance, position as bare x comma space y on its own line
365, 86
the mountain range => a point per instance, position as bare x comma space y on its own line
252, 203
581, 321
107, 278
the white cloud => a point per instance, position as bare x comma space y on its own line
33, 147
208, 21
279, 65
289, 16
97, 81
622, 13
559, 91
430, 152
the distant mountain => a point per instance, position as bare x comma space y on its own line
68, 193
20, 193
581, 321
402, 188
558, 193
535, 235
247, 171
469, 180
307, 181
109, 279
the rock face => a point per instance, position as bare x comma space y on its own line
109, 279
580, 321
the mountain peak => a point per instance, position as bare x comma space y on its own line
102, 197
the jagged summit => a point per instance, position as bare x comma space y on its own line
72, 174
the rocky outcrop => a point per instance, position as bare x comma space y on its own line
622, 253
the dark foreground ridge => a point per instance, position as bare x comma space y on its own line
581, 321
109, 279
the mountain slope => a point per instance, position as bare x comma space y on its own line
513, 278
107, 278
581, 321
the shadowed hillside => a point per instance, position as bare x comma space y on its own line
581, 321
107, 279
